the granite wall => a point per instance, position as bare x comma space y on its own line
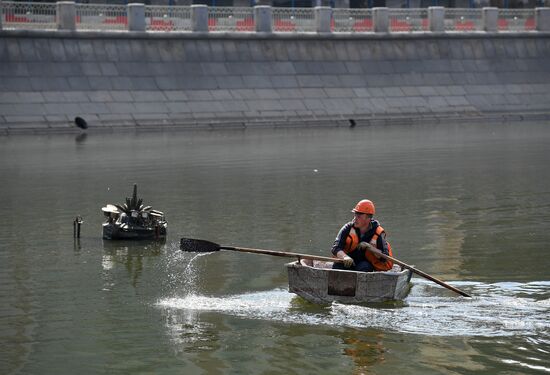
117, 80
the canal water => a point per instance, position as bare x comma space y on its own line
467, 203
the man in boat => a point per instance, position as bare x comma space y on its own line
353, 239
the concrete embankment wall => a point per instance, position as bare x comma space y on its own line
160, 80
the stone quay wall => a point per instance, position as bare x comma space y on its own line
227, 80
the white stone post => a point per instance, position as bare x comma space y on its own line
66, 15
490, 19
199, 18
136, 17
381, 19
542, 19
262, 18
322, 19
436, 19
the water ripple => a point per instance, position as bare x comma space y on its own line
500, 309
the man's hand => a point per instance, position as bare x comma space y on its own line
348, 261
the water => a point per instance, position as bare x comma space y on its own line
466, 203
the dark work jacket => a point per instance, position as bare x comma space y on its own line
359, 255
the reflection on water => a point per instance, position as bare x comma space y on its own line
364, 348
443, 228
81, 138
131, 254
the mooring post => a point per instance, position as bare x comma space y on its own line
76, 226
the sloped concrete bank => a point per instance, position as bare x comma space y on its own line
138, 80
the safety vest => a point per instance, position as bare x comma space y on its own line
352, 241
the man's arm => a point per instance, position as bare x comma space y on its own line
340, 244
340, 241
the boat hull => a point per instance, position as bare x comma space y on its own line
115, 232
326, 285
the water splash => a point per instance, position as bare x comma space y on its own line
500, 309
182, 276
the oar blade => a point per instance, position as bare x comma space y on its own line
198, 246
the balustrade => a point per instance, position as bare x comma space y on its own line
68, 15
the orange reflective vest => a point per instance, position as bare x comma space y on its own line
352, 241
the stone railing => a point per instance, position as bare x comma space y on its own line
67, 15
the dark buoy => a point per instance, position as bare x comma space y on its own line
81, 123
351, 123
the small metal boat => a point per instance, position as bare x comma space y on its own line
317, 282
133, 221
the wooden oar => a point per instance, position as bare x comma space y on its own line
203, 246
374, 250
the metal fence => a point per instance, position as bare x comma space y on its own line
235, 19
101, 17
408, 20
17, 15
352, 20
167, 18
290, 20
463, 20
36, 15
516, 20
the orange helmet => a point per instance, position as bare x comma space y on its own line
364, 207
